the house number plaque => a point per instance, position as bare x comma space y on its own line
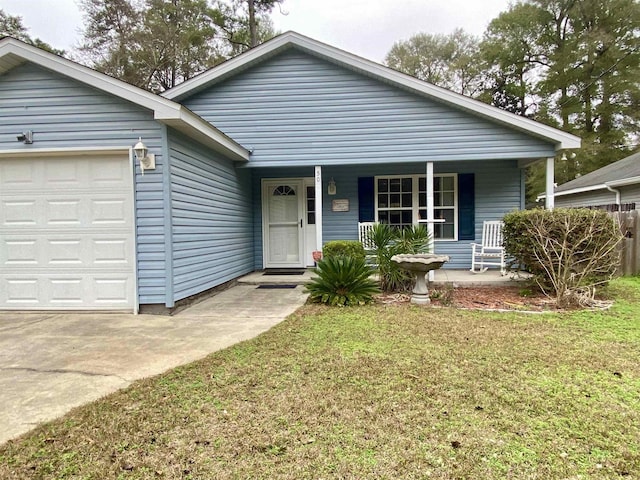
341, 205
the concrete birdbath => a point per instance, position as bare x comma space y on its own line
420, 264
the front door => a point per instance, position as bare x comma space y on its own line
283, 207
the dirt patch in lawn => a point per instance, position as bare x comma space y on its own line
485, 298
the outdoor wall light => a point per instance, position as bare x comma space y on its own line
147, 160
332, 187
26, 137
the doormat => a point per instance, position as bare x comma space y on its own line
277, 286
284, 271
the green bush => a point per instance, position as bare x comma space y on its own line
342, 281
389, 241
568, 251
343, 248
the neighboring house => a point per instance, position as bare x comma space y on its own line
259, 161
612, 186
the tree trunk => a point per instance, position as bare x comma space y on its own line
253, 30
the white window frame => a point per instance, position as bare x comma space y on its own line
415, 202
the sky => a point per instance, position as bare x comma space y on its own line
368, 28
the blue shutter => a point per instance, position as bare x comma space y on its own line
466, 207
366, 203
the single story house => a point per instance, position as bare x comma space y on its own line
258, 162
613, 186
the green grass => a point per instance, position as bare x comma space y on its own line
374, 392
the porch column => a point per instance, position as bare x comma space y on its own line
430, 214
549, 200
318, 192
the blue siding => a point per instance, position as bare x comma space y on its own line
297, 109
497, 191
64, 113
211, 216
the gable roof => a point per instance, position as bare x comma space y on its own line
616, 174
561, 140
14, 53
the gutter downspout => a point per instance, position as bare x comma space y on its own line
617, 192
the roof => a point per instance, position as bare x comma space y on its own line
561, 140
14, 53
616, 174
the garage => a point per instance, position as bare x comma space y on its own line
67, 232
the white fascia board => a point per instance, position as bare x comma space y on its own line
623, 181
562, 140
83, 74
191, 124
164, 110
573, 191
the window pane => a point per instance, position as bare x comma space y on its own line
383, 201
447, 199
422, 215
437, 199
383, 185
311, 218
447, 183
311, 204
437, 183
407, 184
447, 231
422, 198
394, 185
422, 184
395, 217
394, 200
407, 217
383, 217
406, 199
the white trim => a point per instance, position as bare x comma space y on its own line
549, 182
59, 152
574, 191
164, 110
318, 205
622, 182
562, 140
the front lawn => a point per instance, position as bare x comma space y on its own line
374, 392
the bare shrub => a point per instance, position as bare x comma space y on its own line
569, 251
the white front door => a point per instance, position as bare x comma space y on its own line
283, 207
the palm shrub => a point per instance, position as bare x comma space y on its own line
389, 241
342, 281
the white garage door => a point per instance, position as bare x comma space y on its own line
66, 233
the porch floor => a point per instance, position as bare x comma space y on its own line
459, 278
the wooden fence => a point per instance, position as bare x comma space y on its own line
630, 225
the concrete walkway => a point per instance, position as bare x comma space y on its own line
50, 362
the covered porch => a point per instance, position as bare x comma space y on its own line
456, 278
298, 209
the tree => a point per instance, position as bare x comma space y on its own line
12, 26
574, 65
157, 44
511, 55
246, 23
448, 61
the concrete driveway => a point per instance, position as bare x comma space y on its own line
50, 363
